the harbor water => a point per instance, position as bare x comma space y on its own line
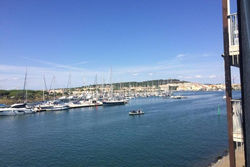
173, 132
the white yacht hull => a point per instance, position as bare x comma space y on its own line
15, 111
58, 108
85, 104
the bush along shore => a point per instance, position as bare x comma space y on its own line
9, 97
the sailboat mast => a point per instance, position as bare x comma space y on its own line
43, 95
25, 93
129, 88
54, 88
53, 78
102, 84
26, 96
69, 84
96, 91
45, 87
111, 86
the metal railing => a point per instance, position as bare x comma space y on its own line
237, 121
233, 30
233, 38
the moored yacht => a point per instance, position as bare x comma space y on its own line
43, 107
51, 106
59, 107
16, 109
78, 104
83, 103
111, 102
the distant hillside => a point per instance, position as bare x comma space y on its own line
143, 83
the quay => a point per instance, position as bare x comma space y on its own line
224, 161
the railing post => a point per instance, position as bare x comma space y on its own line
228, 82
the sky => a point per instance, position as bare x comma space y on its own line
81, 39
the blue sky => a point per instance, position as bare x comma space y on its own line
139, 39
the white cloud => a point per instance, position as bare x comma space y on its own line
58, 66
212, 76
198, 76
180, 55
150, 73
12, 76
205, 55
135, 74
81, 63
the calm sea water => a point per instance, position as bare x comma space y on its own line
176, 133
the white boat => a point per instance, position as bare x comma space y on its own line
51, 106
81, 104
112, 102
77, 105
58, 107
138, 112
19, 108
63, 98
94, 103
7, 112
43, 107
178, 97
16, 109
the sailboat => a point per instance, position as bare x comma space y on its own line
113, 100
53, 105
18, 108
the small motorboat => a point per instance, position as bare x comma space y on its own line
178, 97
136, 112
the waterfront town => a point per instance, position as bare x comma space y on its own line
182, 86
124, 89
